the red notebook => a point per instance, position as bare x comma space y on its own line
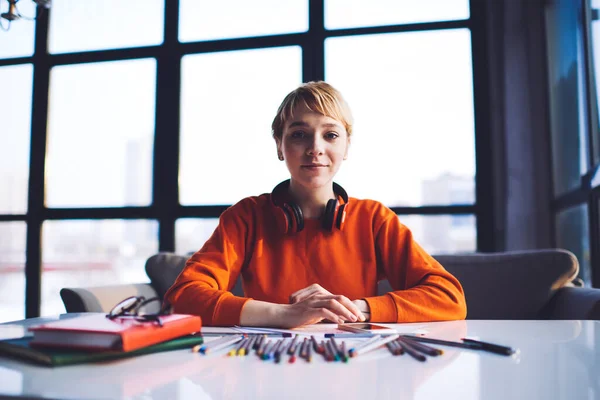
96, 332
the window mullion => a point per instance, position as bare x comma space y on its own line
36, 194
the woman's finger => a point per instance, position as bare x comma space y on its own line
311, 293
325, 313
315, 287
307, 292
334, 306
346, 302
294, 296
303, 314
300, 295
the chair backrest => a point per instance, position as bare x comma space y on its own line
104, 298
163, 269
510, 285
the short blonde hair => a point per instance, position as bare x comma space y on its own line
319, 97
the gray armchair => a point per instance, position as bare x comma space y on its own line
161, 268
512, 285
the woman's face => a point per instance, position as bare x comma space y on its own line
313, 147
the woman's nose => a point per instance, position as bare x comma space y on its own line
315, 147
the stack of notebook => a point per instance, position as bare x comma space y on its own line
96, 338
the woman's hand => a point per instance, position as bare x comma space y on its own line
363, 306
317, 291
310, 305
307, 292
308, 311
314, 309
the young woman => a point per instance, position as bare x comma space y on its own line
308, 252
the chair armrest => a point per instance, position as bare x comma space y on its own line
104, 298
575, 303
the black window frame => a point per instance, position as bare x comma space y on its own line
587, 193
165, 207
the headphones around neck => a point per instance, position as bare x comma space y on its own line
289, 215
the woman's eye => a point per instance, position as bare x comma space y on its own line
297, 135
331, 135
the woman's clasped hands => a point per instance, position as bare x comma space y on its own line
314, 304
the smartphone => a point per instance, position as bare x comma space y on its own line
365, 327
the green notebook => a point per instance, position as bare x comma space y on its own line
19, 348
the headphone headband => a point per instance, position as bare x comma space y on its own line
289, 214
338, 190
281, 191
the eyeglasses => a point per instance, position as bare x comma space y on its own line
131, 306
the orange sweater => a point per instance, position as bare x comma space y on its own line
373, 245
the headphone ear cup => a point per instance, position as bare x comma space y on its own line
283, 219
341, 216
292, 220
299, 217
329, 216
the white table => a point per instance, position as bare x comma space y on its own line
556, 360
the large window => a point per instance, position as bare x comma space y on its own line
574, 72
572, 232
14, 136
228, 19
358, 13
17, 41
415, 127
101, 114
592, 16
229, 122
12, 271
93, 252
128, 132
567, 87
99, 25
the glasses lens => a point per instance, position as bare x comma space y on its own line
125, 305
146, 307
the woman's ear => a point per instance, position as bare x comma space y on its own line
279, 152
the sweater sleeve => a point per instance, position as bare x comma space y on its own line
203, 286
423, 289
